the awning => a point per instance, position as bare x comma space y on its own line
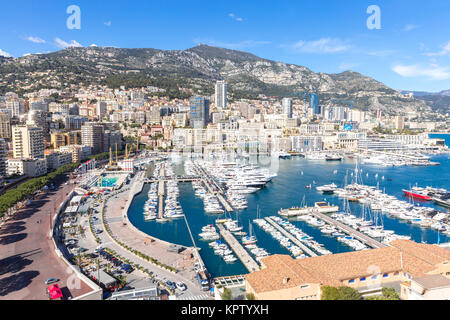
55, 292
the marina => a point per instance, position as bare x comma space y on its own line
296, 173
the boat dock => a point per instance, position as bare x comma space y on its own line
350, 231
291, 237
241, 253
161, 193
208, 182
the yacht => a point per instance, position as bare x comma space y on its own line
329, 188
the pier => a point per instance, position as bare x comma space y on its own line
241, 253
208, 182
161, 193
350, 231
292, 238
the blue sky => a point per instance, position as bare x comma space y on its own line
411, 51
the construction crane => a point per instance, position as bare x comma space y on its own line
313, 100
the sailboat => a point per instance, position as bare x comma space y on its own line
250, 239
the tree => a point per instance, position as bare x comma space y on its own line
387, 294
250, 296
227, 294
340, 293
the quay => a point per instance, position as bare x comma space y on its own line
292, 238
350, 231
241, 253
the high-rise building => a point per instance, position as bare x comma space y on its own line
5, 126
92, 135
221, 94
399, 122
28, 142
3, 159
101, 109
287, 107
199, 115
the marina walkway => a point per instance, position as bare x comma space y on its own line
208, 182
350, 231
161, 192
292, 238
241, 253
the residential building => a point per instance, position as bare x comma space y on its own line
368, 271
287, 107
3, 159
92, 135
5, 126
58, 159
29, 167
199, 115
429, 287
221, 95
28, 142
101, 109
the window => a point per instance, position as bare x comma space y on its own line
385, 275
363, 279
351, 281
374, 277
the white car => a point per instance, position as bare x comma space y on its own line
181, 286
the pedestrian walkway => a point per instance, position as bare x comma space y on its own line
204, 296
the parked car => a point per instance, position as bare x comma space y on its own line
181, 286
51, 280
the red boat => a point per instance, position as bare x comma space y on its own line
417, 195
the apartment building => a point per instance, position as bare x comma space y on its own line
5, 126
28, 142
92, 135
30, 167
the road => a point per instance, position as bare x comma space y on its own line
28, 255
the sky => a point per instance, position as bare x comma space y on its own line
407, 46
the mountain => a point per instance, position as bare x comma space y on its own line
437, 101
194, 71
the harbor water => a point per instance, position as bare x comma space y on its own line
287, 190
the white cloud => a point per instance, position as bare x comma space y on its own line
233, 16
431, 72
5, 54
410, 27
445, 51
35, 39
63, 44
108, 23
324, 45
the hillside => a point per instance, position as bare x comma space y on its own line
195, 69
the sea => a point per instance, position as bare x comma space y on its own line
289, 189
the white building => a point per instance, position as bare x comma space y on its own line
221, 95
28, 142
29, 167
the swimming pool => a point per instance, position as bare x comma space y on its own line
108, 182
